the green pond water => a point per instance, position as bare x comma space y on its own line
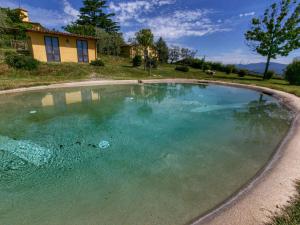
153, 154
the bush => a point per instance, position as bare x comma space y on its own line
182, 68
229, 69
206, 66
197, 63
19, 61
137, 61
270, 74
292, 73
217, 66
242, 73
97, 62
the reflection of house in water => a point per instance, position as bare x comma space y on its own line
68, 98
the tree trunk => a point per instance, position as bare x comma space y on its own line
145, 59
267, 67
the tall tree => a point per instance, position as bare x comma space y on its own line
162, 50
93, 14
145, 38
277, 33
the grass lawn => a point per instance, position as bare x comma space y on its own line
290, 215
118, 68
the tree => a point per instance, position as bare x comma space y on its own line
187, 53
87, 30
292, 73
92, 14
162, 50
109, 43
277, 33
174, 54
145, 39
11, 26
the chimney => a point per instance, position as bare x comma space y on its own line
24, 15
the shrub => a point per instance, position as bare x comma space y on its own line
270, 74
182, 68
137, 61
197, 63
18, 61
229, 69
97, 62
242, 73
292, 73
217, 66
206, 66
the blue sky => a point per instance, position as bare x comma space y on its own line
213, 27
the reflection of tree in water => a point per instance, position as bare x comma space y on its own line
262, 119
156, 93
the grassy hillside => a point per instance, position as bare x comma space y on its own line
118, 68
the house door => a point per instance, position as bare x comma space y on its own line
82, 51
52, 49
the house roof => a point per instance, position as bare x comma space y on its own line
60, 33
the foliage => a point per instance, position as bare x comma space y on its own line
162, 50
145, 38
11, 26
229, 69
242, 73
19, 61
270, 74
97, 62
74, 28
137, 61
187, 53
182, 68
152, 63
174, 54
292, 73
206, 66
93, 13
109, 43
277, 33
197, 63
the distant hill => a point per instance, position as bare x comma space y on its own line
260, 67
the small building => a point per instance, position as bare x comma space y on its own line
53, 46
131, 50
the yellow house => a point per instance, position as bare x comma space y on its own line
130, 51
52, 46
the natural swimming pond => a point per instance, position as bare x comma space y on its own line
131, 154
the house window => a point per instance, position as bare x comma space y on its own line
52, 49
82, 51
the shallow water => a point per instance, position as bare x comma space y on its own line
131, 154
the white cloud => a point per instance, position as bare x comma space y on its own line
244, 56
247, 14
126, 11
69, 10
184, 23
236, 56
48, 18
